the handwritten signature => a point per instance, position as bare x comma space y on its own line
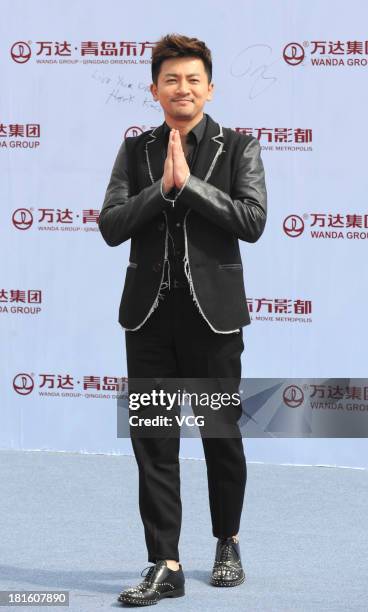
246, 64
115, 94
126, 92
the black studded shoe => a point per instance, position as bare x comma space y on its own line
227, 569
159, 582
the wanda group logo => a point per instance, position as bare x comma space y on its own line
293, 396
22, 218
23, 384
327, 52
328, 225
20, 52
134, 130
293, 226
293, 54
67, 51
56, 219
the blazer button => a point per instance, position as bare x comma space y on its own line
161, 226
156, 267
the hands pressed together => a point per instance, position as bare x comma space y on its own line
176, 169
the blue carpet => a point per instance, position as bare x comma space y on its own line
71, 521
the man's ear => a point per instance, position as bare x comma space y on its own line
210, 91
153, 89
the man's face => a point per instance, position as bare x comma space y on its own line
182, 88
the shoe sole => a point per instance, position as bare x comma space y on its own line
223, 583
150, 602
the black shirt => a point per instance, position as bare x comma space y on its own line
175, 215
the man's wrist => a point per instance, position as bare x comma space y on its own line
165, 194
165, 189
183, 185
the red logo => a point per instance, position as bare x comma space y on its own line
293, 54
22, 218
293, 396
293, 226
20, 52
134, 130
23, 384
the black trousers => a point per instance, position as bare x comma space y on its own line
176, 342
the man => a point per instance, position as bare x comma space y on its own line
185, 193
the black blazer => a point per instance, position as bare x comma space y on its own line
224, 200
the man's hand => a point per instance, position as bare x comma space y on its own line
168, 176
181, 168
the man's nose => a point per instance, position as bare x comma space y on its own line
182, 87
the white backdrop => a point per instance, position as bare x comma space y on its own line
294, 75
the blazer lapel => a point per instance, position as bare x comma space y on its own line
155, 153
210, 149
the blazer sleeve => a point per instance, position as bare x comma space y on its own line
244, 214
122, 215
